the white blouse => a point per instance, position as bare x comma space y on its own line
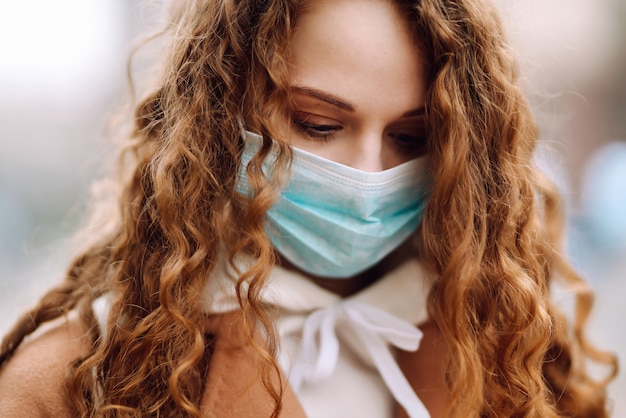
338, 352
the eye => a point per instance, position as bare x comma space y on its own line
414, 142
315, 127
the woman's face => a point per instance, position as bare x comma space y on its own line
358, 84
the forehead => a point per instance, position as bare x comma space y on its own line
358, 49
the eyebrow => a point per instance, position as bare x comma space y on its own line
325, 97
342, 104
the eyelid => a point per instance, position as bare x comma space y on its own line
413, 128
314, 118
412, 121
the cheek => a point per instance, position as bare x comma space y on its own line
330, 150
392, 156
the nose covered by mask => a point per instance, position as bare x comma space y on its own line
335, 221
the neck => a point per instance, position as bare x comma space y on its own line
345, 287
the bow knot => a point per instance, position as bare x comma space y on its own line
374, 329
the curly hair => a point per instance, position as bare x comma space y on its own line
491, 229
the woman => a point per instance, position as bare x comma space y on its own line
315, 187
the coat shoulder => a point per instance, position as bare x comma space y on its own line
33, 381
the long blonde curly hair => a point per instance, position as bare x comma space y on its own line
491, 230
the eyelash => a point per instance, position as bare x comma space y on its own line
323, 132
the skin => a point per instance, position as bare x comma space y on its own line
358, 84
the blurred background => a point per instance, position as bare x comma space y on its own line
62, 77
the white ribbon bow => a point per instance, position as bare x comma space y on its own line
374, 328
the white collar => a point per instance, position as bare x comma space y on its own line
402, 292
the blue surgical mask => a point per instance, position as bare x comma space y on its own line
335, 221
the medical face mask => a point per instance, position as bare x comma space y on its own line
335, 221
